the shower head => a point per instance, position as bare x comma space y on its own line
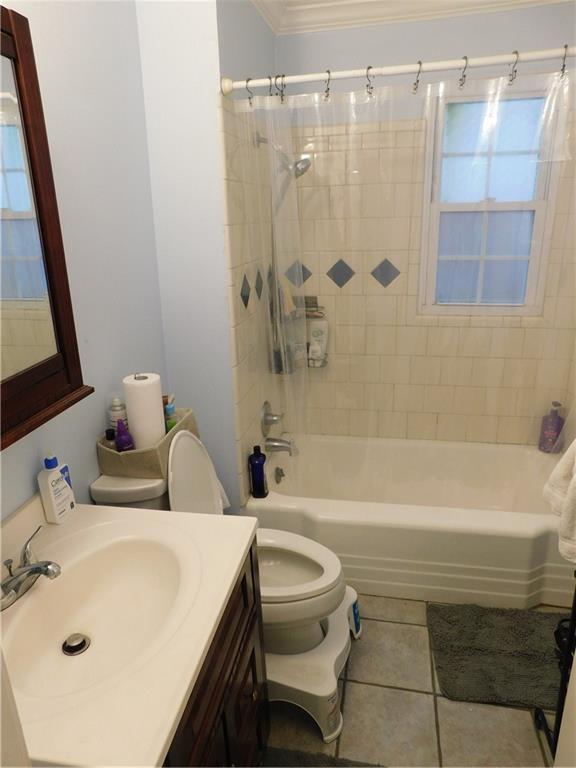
298, 167
301, 166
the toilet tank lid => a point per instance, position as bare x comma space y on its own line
108, 489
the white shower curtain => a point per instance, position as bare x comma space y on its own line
428, 206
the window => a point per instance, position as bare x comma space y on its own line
488, 207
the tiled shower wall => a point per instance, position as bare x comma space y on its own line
391, 372
27, 334
248, 241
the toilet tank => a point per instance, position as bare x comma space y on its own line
148, 493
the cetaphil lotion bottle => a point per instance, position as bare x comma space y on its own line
55, 490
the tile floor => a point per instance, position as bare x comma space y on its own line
394, 712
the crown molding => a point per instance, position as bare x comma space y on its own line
291, 16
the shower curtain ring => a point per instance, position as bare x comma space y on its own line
369, 86
563, 70
250, 93
282, 88
514, 70
462, 80
269, 85
417, 81
327, 91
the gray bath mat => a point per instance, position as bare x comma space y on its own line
495, 655
284, 758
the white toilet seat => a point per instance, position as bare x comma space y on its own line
306, 557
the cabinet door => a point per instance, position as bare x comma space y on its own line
216, 753
247, 714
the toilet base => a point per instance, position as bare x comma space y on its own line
310, 679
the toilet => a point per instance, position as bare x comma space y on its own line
308, 610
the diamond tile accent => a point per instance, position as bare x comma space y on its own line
340, 273
259, 284
298, 273
245, 291
385, 273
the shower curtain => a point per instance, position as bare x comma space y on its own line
424, 205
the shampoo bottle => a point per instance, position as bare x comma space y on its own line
257, 474
55, 490
551, 430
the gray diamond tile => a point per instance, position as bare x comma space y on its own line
297, 273
259, 284
385, 273
245, 291
340, 273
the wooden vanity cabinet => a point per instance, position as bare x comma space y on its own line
226, 720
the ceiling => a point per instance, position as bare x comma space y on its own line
286, 16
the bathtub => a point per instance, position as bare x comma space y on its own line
425, 520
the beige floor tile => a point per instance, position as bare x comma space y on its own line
392, 609
387, 727
292, 728
392, 654
484, 735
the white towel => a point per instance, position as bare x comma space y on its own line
560, 492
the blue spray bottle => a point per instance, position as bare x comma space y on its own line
257, 474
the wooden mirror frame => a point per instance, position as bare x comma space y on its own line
35, 395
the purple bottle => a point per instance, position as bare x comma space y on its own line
551, 440
124, 440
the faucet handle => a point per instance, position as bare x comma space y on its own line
8, 564
26, 554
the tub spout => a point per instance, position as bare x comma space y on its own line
275, 444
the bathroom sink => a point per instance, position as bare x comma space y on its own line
126, 592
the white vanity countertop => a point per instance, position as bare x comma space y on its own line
130, 717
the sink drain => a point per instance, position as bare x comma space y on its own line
75, 644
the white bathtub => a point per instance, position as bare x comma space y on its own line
427, 520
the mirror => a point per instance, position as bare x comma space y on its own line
28, 335
40, 373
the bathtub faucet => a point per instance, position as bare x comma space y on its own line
275, 444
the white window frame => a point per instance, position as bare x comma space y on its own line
543, 206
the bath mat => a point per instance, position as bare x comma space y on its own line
284, 758
495, 655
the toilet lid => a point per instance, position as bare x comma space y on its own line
192, 482
306, 567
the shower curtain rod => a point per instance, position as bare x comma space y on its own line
229, 85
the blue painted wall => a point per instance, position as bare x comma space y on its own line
525, 29
94, 111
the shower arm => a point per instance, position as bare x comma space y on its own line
228, 85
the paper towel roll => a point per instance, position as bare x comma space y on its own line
143, 396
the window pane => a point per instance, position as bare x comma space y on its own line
504, 282
519, 125
12, 155
460, 234
18, 197
464, 127
510, 233
456, 282
513, 177
463, 179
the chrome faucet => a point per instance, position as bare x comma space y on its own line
275, 444
24, 576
